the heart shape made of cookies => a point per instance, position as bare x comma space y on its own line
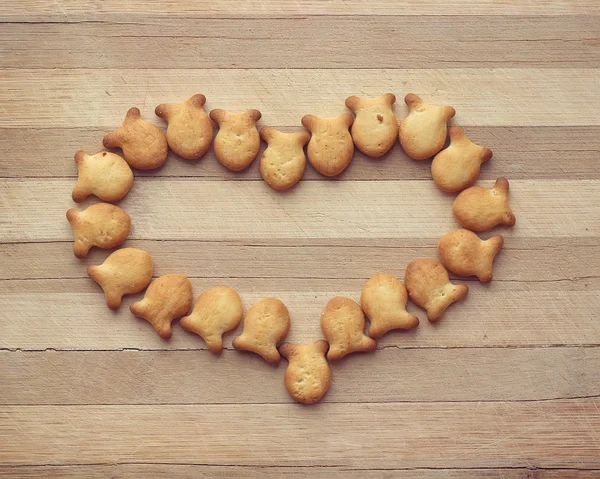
328, 144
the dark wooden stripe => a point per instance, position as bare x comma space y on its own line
308, 42
523, 260
519, 153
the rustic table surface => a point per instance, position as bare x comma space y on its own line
506, 385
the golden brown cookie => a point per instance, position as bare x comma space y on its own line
383, 300
343, 325
105, 175
167, 298
375, 127
282, 164
430, 288
126, 271
457, 167
190, 131
308, 375
266, 324
144, 145
238, 142
480, 209
423, 131
215, 312
102, 225
330, 148
465, 254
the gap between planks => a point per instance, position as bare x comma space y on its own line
229, 348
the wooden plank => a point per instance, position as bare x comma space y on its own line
523, 260
177, 43
79, 10
190, 377
439, 435
216, 211
182, 471
484, 97
72, 314
519, 153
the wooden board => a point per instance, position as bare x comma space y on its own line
189, 377
150, 42
391, 435
34, 10
100, 97
506, 386
553, 152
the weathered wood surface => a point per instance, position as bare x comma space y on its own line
506, 386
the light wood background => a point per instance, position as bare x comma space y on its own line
507, 385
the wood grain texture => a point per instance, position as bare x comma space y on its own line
552, 153
270, 43
168, 210
526, 260
72, 314
374, 435
506, 386
192, 377
100, 97
65, 10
